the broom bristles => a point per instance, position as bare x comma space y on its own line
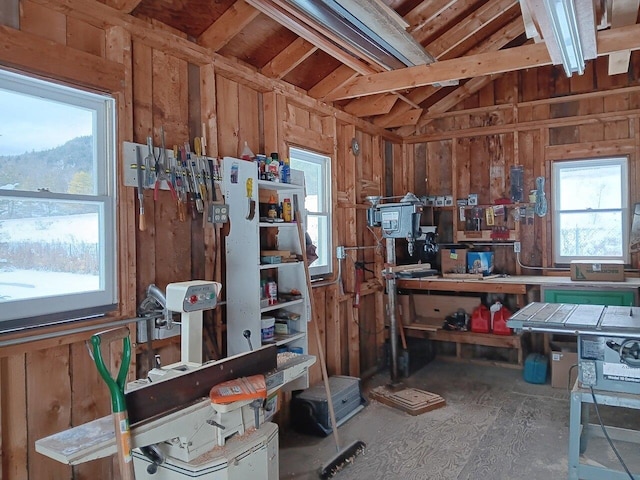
345, 457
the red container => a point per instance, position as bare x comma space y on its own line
499, 321
481, 319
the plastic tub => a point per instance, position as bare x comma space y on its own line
267, 328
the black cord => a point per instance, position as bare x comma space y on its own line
604, 430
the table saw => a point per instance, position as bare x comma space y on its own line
608, 374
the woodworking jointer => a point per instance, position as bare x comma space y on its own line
177, 432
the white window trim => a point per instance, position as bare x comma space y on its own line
307, 155
557, 166
20, 314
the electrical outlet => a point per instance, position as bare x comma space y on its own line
516, 247
341, 254
218, 213
588, 373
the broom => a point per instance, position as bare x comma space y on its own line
346, 455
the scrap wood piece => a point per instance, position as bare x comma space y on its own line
410, 400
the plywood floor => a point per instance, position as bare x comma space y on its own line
495, 427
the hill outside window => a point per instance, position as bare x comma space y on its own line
57, 203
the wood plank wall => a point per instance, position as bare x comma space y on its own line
532, 119
162, 81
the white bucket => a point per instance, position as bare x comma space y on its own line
267, 328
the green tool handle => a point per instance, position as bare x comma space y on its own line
116, 386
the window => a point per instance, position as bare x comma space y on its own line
317, 174
591, 213
57, 201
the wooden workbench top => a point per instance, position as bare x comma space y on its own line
516, 284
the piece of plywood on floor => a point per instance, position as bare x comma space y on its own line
410, 400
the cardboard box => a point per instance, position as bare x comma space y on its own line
563, 356
480, 262
453, 260
602, 270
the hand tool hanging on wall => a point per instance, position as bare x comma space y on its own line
149, 160
180, 188
116, 389
141, 222
252, 203
161, 172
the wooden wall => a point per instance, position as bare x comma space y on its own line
529, 118
163, 81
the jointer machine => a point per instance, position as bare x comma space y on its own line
177, 430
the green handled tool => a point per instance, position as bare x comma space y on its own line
116, 389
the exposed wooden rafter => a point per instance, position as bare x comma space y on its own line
494, 42
517, 58
230, 23
125, 6
289, 58
623, 12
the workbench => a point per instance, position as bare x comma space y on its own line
518, 285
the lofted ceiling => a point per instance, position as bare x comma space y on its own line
469, 41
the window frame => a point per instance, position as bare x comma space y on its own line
556, 169
48, 310
325, 162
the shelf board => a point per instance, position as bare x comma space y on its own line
278, 224
281, 339
281, 305
463, 236
268, 266
266, 184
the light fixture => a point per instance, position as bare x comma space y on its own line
372, 29
564, 24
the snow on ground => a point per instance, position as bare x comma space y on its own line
68, 228
21, 284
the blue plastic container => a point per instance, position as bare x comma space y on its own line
535, 368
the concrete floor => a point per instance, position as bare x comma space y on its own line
495, 426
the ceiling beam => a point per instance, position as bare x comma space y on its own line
492, 43
425, 12
228, 25
285, 16
623, 12
125, 6
369, 106
517, 58
446, 17
469, 26
335, 79
289, 58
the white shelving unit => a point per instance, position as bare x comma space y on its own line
245, 273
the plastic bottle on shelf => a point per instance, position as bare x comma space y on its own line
272, 211
246, 154
286, 210
285, 176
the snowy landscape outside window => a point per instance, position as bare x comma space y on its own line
57, 199
591, 210
317, 174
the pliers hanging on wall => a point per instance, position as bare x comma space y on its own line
161, 173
